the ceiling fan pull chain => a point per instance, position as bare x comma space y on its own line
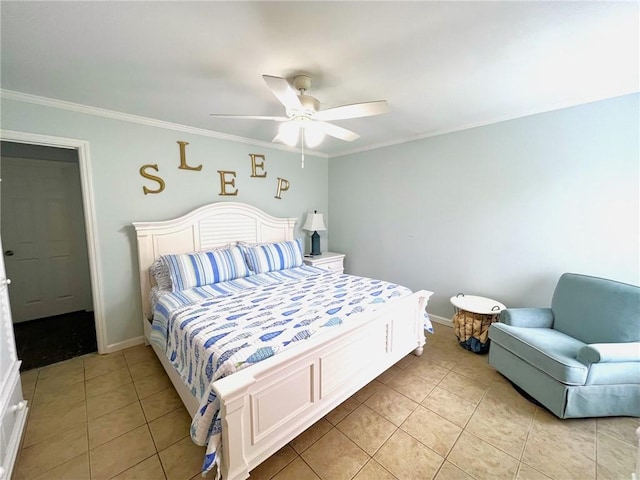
302, 145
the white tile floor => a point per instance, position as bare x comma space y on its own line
446, 415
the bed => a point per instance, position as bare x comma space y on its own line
267, 404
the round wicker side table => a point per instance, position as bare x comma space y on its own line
473, 317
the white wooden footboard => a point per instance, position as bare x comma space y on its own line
267, 405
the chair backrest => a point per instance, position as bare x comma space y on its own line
596, 310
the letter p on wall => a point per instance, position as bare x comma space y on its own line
283, 186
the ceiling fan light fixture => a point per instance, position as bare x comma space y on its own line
289, 133
313, 136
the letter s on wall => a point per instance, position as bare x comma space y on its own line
145, 174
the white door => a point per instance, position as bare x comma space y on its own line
45, 250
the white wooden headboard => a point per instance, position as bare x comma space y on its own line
209, 226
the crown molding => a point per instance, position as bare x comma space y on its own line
482, 123
127, 117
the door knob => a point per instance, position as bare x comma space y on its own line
8, 253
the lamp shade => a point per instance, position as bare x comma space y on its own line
314, 222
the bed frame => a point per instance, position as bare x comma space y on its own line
265, 406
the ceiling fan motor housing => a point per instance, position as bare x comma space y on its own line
310, 105
301, 82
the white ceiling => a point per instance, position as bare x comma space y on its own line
442, 66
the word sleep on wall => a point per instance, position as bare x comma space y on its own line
227, 177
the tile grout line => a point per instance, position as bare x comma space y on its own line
461, 432
595, 448
398, 427
29, 418
146, 424
86, 399
153, 440
529, 432
464, 428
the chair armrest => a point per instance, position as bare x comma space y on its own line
609, 352
527, 317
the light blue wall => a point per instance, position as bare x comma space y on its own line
500, 210
118, 149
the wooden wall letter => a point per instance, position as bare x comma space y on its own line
255, 165
224, 182
283, 186
183, 158
145, 174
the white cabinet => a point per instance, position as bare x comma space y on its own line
13, 407
327, 260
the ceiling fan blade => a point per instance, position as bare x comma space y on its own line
355, 110
283, 91
337, 132
249, 117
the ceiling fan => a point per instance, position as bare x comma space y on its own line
303, 114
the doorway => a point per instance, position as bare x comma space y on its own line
46, 256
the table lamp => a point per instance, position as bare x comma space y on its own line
314, 223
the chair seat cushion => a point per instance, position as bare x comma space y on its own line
548, 350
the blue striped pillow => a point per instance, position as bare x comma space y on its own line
269, 257
191, 270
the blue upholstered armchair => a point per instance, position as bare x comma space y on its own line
579, 358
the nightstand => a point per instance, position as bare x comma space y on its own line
327, 260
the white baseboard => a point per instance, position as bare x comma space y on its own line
132, 342
441, 320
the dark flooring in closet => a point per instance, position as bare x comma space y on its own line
53, 339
